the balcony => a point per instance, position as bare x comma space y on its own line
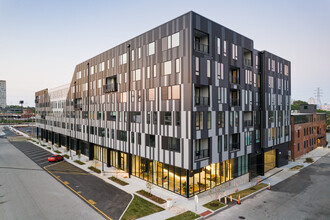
111, 84
234, 147
201, 41
247, 57
78, 106
202, 101
234, 76
248, 123
201, 47
110, 88
201, 154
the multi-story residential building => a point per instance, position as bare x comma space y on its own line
188, 105
308, 130
3, 91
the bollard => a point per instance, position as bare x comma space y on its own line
239, 199
225, 198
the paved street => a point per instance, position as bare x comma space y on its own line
108, 200
305, 195
28, 192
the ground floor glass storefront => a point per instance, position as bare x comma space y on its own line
175, 178
269, 160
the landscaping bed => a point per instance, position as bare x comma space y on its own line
94, 169
66, 156
185, 215
248, 191
297, 167
139, 208
56, 151
79, 162
214, 205
309, 160
116, 180
151, 196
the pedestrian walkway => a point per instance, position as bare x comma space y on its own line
180, 204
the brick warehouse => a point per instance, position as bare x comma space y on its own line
188, 105
308, 130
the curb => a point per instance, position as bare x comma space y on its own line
213, 212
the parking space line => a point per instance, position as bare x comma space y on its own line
78, 194
54, 164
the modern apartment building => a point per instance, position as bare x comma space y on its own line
188, 105
3, 92
308, 130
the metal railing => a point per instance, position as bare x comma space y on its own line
247, 62
234, 102
201, 47
110, 87
201, 100
202, 154
234, 146
248, 123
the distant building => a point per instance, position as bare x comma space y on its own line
3, 92
308, 130
311, 101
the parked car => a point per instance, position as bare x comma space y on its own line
55, 158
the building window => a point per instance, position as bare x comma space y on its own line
208, 68
248, 138
168, 67
166, 118
298, 147
231, 119
136, 117
219, 70
298, 133
221, 119
225, 146
199, 120
202, 148
122, 135
257, 136
209, 120
234, 52
172, 144
151, 94
148, 117
219, 144
151, 48
177, 119
218, 45
150, 140
154, 118
197, 66
111, 116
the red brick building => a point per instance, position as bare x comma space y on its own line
308, 130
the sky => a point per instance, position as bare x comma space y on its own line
41, 41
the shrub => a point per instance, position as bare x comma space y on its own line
66, 156
56, 151
309, 160
94, 169
79, 162
48, 148
116, 180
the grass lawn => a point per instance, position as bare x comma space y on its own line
214, 205
151, 196
296, 167
139, 208
249, 191
185, 215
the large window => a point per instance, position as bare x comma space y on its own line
151, 48
202, 148
172, 144
136, 117
221, 119
166, 118
121, 135
150, 140
199, 120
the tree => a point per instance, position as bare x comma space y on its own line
296, 104
149, 187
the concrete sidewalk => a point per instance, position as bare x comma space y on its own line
181, 204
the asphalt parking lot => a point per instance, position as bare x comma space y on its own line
30, 130
105, 198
